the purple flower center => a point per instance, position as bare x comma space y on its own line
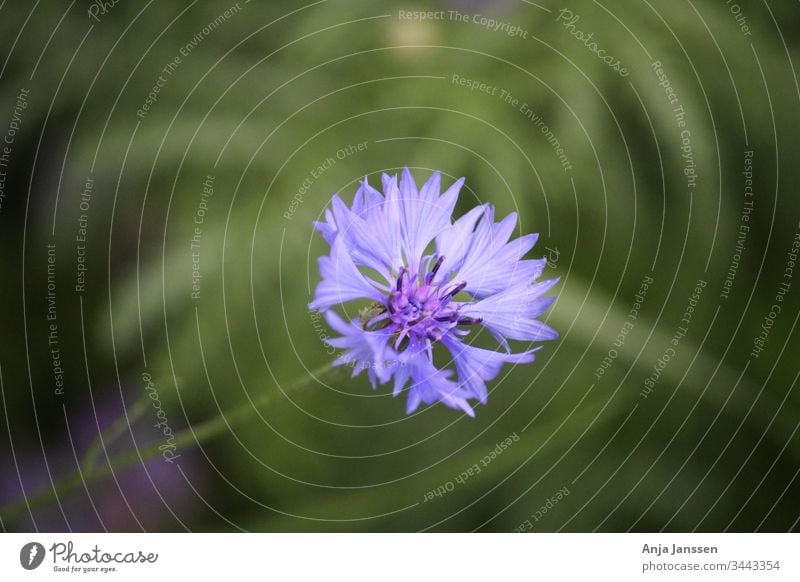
421, 306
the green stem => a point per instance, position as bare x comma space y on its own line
87, 471
107, 437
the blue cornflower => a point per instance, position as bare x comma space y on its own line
428, 281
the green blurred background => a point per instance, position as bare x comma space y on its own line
262, 94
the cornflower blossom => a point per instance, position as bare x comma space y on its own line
426, 280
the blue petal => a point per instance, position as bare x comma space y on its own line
363, 241
453, 243
430, 385
341, 280
328, 228
367, 201
425, 213
477, 366
363, 349
492, 263
511, 314
391, 221
504, 269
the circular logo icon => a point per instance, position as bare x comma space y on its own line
31, 555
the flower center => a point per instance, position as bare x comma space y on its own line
421, 306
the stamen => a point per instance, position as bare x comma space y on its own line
455, 290
450, 317
429, 277
469, 320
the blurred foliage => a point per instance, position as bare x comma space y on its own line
265, 98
